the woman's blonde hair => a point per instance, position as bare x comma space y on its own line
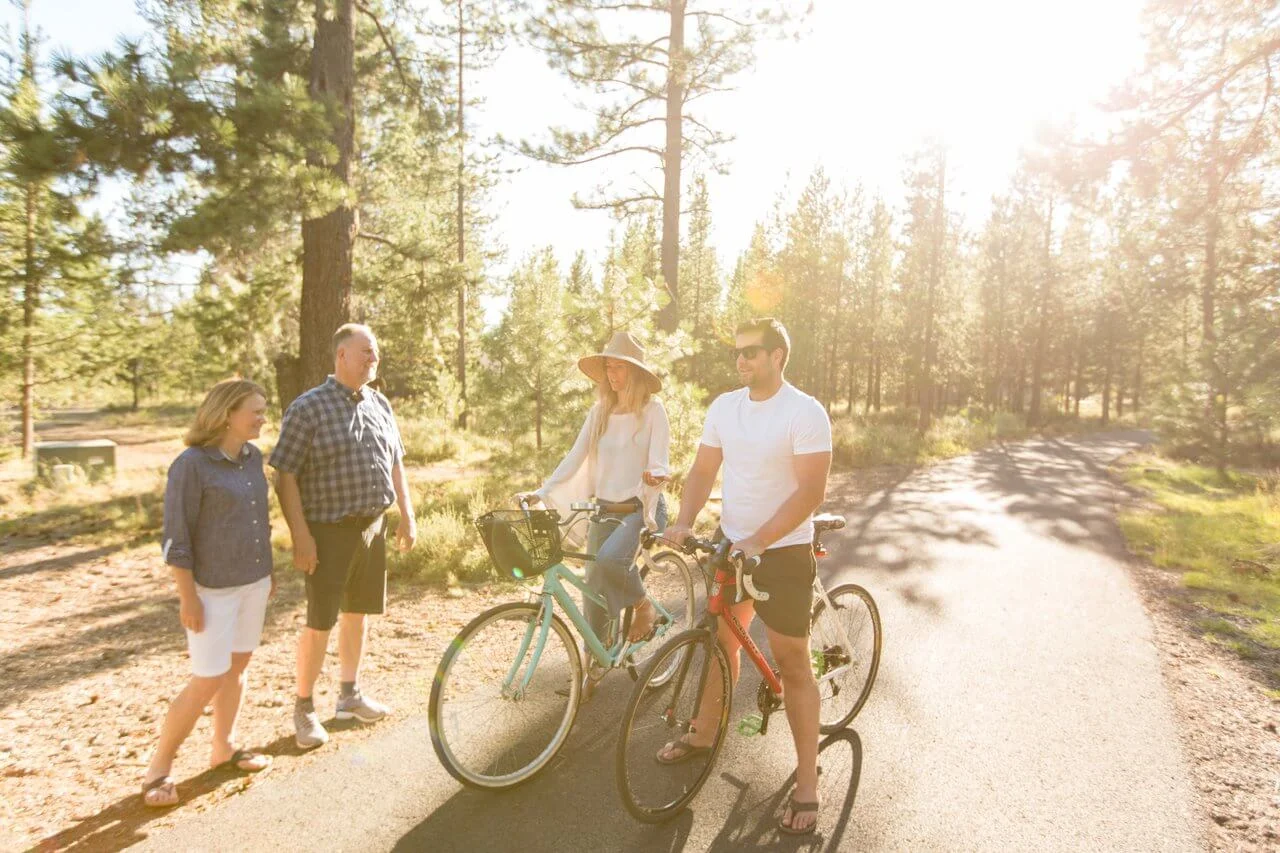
633, 397
223, 399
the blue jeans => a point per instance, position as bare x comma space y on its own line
613, 573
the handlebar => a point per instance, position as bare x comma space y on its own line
742, 569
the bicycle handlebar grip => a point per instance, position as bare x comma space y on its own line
750, 586
743, 569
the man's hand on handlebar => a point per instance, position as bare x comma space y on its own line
749, 548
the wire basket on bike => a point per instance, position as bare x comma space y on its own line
522, 543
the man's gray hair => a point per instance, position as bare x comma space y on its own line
347, 330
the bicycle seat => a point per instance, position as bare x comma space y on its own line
827, 521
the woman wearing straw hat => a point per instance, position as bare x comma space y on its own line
620, 456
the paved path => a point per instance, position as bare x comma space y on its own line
1019, 705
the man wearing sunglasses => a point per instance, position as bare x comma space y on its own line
774, 442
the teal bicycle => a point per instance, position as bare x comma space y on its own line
508, 688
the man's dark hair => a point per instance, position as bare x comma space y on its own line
773, 335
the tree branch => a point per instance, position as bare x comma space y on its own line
414, 87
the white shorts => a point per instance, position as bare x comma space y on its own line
233, 618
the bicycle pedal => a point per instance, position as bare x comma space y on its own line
750, 725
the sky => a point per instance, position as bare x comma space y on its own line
866, 83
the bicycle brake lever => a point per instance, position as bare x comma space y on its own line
744, 582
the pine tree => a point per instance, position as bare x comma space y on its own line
649, 62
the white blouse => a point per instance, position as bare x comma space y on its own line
631, 445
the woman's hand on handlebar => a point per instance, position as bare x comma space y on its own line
528, 499
677, 533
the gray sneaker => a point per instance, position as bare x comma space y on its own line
308, 733
359, 707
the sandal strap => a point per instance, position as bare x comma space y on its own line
798, 806
158, 782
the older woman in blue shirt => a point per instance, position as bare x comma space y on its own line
217, 541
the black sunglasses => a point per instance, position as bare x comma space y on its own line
748, 352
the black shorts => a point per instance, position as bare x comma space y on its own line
787, 574
351, 570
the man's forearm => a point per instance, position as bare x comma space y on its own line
291, 504
694, 496
794, 510
404, 500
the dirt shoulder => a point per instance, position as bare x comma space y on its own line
1227, 721
93, 655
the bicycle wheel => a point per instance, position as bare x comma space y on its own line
844, 643
671, 587
658, 714
489, 727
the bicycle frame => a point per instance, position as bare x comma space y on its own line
716, 608
553, 593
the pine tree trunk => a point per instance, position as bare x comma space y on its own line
935, 282
669, 315
537, 418
327, 241
1215, 398
1019, 386
1079, 383
1042, 325
1137, 380
1106, 384
462, 235
877, 404
30, 301
135, 380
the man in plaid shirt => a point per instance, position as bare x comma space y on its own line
340, 465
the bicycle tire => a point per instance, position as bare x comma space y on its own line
825, 644
679, 568
644, 730
449, 744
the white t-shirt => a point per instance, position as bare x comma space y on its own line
758, 440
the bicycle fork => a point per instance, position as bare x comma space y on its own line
542, 626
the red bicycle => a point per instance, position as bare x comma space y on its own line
844, 639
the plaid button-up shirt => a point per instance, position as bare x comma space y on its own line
342, 446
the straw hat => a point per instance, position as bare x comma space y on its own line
622, 347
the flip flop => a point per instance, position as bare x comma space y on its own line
239, 757
798, 807
156, 784
682, 751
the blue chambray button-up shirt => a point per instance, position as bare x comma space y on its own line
216, 521
342, 445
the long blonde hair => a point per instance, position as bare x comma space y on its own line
633, 397
222, 399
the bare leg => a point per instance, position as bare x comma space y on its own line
704, 725
180, 719
802, 702
351, 628
311, 646
226, 707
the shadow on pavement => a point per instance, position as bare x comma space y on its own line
753, 822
